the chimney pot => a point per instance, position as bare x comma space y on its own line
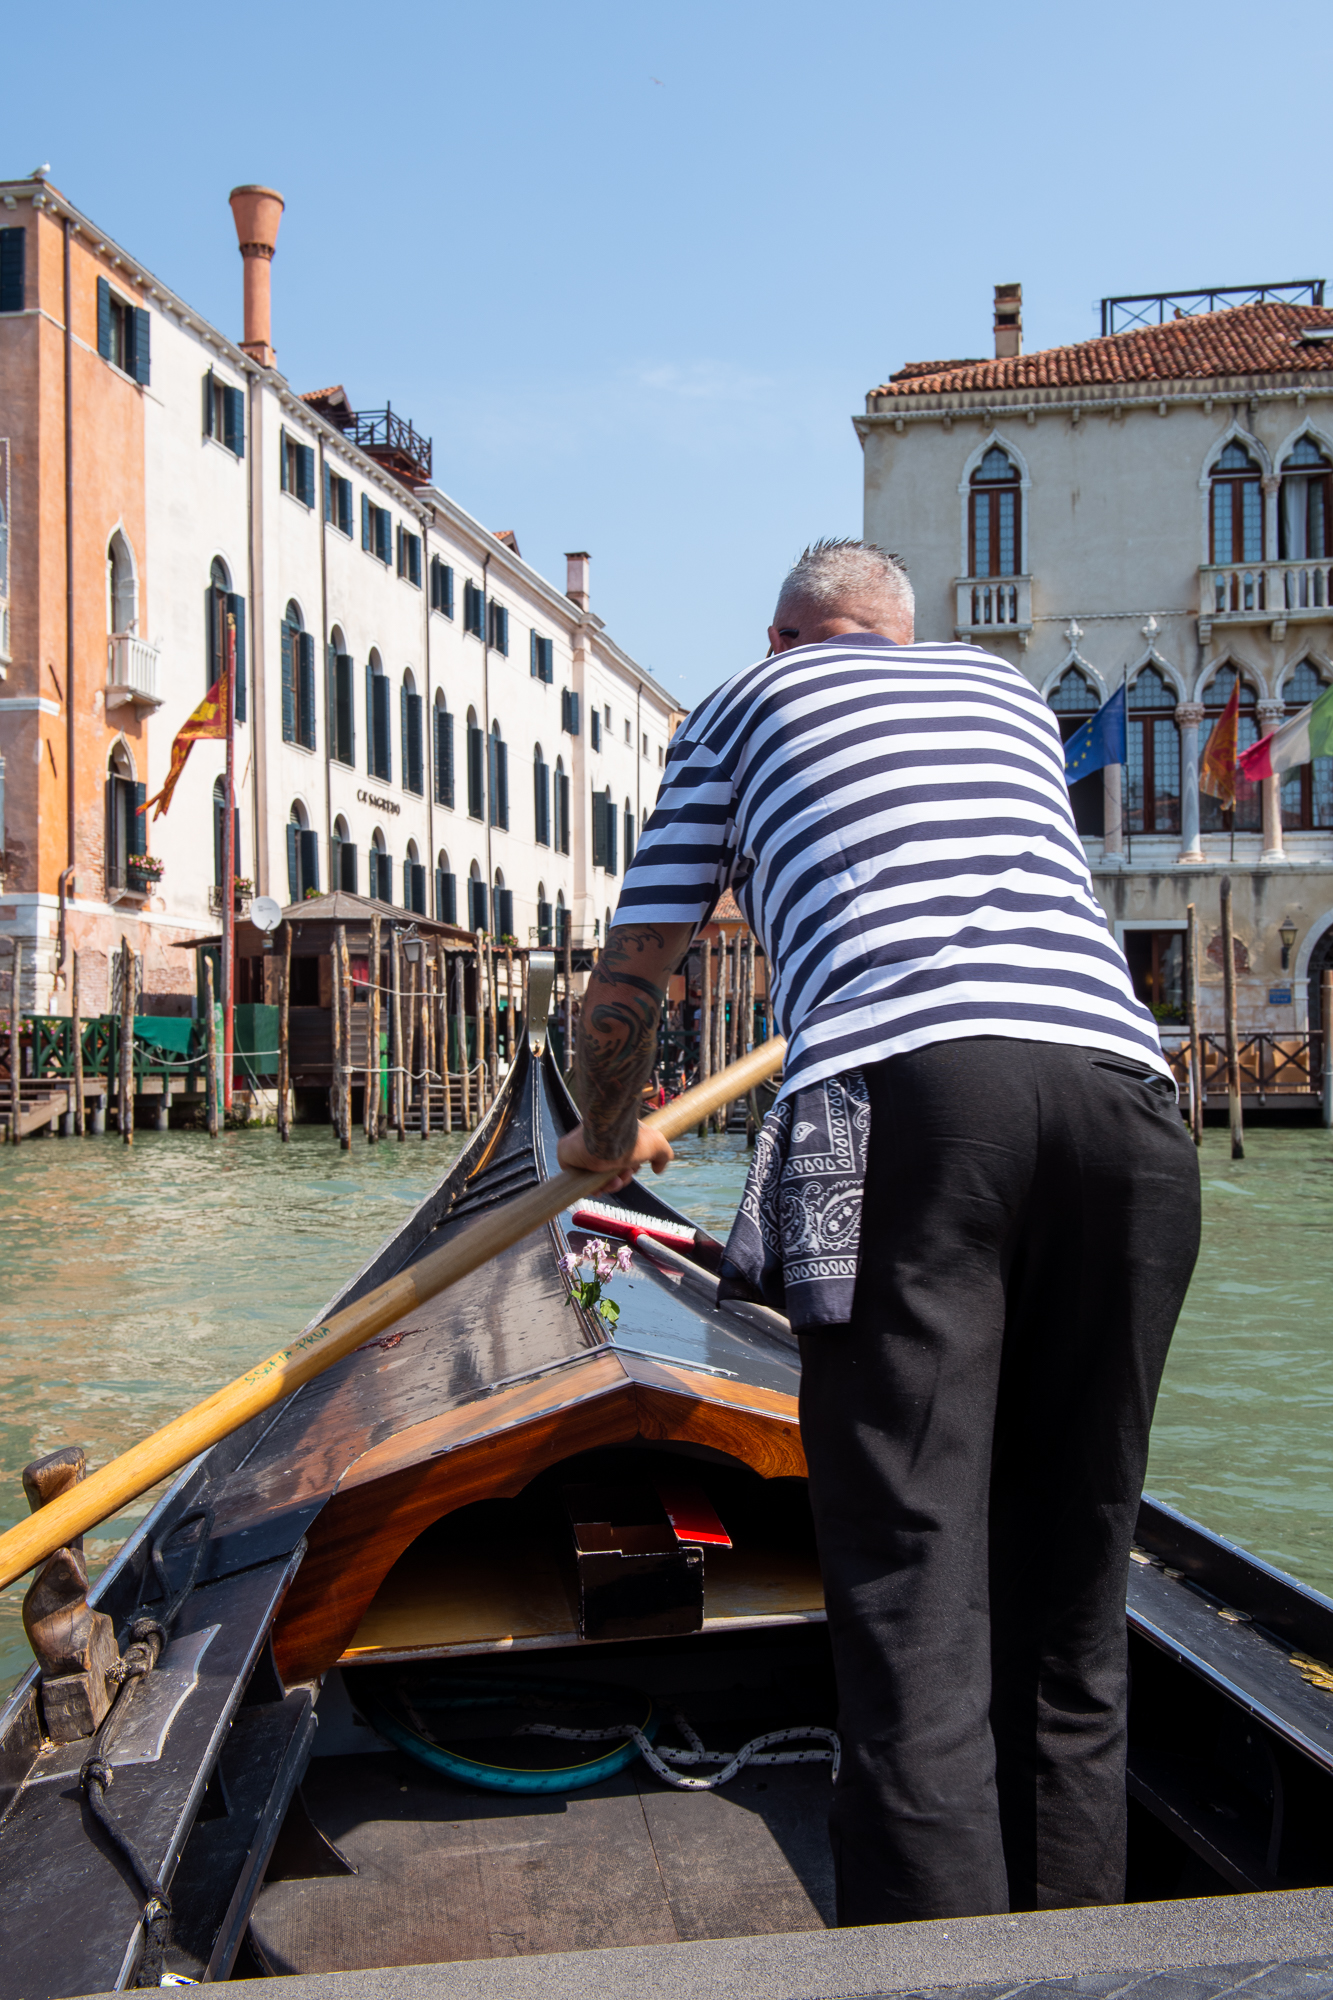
1008, 321
257, 212
576, 578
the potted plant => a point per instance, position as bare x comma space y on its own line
145, 868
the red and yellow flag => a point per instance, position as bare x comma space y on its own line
1217, 768
209, 720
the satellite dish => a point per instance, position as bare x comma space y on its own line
266, 913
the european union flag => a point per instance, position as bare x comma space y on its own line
1100, 741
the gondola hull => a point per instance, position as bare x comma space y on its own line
405, 1518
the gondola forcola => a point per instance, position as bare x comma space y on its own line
125, 1478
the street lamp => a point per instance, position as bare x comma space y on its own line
1287, 933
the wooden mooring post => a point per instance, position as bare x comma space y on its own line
479, 1024
211, 1057
76, 1031
1326, 1013
705, 1018
335, 1041
442, 1002
342, 972
126, 1042
284, 1038
398, 1074
569, 999
16, 1043
1192, 1017
460, 1035
1233, 1047
373, 1032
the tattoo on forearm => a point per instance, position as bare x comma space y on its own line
617, 1042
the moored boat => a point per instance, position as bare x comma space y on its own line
414, 1610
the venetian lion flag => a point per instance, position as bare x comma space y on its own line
1217, 767
1307, 736
208, 721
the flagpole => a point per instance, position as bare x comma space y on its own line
229, 876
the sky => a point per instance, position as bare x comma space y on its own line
634, 269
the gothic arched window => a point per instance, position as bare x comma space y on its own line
1152, 769
994, 537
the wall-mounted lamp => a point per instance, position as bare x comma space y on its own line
1286, 930
412, 949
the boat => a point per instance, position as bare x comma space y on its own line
457, 1636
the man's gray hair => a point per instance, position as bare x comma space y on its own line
836, 573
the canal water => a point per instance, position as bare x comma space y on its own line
133, 1283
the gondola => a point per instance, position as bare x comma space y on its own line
449, 1627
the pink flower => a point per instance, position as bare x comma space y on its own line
571, 1260
606, 1268
624, 1257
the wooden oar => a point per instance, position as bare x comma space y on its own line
104, 1492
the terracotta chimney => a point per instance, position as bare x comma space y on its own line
1008, 321
257, 212
576, 578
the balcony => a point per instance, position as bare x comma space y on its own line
131, 672
994, 607
1276, 594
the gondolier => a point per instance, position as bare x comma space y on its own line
975, 1200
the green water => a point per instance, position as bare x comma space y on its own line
133, 1283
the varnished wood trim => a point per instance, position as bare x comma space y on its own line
492, 1449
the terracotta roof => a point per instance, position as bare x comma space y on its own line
911, 369
728, 910
509, 538
1243, 340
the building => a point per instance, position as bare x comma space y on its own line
421, 716
1150, 507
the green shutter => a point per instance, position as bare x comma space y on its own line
309, 859
138, 827
328, 494
293, 863
208, 404
370, 729
306, 706
345, 709
233, 418
365, 521
236, 605
13, 292
142, 368
288, 685
305, 465
104, 319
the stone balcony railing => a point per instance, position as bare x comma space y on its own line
992, 605
131, 672
1268, 593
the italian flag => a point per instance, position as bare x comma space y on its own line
1307, 735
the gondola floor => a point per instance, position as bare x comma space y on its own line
445, 1873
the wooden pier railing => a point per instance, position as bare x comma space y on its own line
1282, 1069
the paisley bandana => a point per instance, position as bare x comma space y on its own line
797, 1233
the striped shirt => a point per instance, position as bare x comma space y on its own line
895, 824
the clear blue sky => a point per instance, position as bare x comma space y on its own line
634, 268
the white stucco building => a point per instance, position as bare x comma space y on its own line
1151, 507
422, 716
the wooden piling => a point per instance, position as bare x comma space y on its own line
1233, 1047
460, 1031
493, 1018
16, 1042
1192, 1017
343, 971
442, 980
76, 1031
336, 1040
372, 1105
705, 1018
396, 1036
1326, 1016
127, 997
284, 1038
211, 1047
423, 1041
479, 1022
509, 1006
569, 999
720, 1026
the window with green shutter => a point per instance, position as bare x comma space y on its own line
13, 290
498, 628
413, 772
342, 711
476, 772
542, 659
446, 897
224, 414
441, 587
541, 799
296, 465
123, 335
337, 501
444, 756
409, 557
474, 609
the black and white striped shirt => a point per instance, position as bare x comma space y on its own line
895, 823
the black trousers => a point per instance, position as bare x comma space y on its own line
977, 1439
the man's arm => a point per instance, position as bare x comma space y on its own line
622, 1011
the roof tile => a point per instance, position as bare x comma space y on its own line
1241, 340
